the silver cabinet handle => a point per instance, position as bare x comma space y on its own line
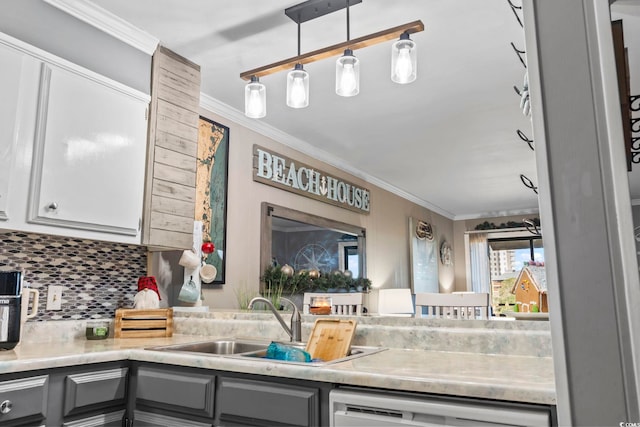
52, 206
6, 407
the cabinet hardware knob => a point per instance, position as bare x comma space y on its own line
52, 206
6, 407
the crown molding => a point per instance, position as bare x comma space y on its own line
497, 214
211, 104
106, 21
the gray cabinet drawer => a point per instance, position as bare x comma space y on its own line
90, 389
24, 398
176, 391
254, 402
147, 419
111, 419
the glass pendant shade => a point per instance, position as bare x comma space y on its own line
347, 74
255, 99
404, 60
298, 87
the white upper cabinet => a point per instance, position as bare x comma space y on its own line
89, 154
10, 72
72, 148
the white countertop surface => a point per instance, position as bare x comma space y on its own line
501, 377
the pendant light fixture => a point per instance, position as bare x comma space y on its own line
255, 99
347, 74
404, 60
298, 84
348, 69
403, 63
298, 87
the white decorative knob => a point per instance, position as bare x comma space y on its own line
52, 206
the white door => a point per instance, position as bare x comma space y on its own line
10, 72
89, 154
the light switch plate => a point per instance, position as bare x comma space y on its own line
54, 297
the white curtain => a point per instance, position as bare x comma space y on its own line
479, 262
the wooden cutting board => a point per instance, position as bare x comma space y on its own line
331, 339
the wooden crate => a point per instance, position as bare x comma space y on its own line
152, 323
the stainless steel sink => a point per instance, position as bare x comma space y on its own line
356, 352
256, 350
217, 347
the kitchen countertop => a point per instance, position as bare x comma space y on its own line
491, 376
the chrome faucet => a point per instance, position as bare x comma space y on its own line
295, 330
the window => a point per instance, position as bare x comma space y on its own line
495, 259
349, 258
507, 257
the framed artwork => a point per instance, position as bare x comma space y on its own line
211, 191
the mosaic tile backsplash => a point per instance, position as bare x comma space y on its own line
97, 277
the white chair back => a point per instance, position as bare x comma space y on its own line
453, 306
345, 303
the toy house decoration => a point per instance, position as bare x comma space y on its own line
530, 289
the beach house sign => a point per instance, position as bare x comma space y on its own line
282, 172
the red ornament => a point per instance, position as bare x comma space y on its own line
208, 247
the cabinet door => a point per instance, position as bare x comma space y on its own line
89, 153
270, 403
148, 419
88, 390
111, 419
24, 399
176, 391
10, 73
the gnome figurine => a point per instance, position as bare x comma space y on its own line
148, 295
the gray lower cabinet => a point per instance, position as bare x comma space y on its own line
152, 394
150, 419
23, 401
111, 419
251, 402
88, 395
85, 390
167, 395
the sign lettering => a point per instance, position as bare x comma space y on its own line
280, 171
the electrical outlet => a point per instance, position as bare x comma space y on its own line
54, 297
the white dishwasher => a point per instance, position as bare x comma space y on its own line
372, 408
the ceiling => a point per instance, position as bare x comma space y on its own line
446, 141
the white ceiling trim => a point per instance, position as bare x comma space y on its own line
209, 103
497, 214
108, 22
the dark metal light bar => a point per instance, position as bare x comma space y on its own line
313, 9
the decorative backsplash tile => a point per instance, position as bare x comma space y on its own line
97, 277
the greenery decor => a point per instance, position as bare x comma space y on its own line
510, 224
278, 283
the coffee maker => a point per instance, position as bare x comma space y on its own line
10, 307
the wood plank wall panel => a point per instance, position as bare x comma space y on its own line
171, 159
173, 190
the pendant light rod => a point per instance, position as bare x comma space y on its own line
348, 22
298, 39
335, 50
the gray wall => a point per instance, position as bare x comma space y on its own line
41, 25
